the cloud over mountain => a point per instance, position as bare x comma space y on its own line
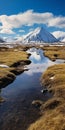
37, 36
29, 18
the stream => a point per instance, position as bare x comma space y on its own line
17, 112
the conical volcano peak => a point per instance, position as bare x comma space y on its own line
39, 35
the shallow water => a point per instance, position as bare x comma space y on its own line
17, 112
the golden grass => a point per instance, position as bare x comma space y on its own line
52, 120
54, 52
53, 110
5, 71
58, 82
12, 58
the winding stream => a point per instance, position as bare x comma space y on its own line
17, 113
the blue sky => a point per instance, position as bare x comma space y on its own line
18, 17
16, 6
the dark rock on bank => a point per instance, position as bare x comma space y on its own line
21, 63
37, 103
44, 91
7, 80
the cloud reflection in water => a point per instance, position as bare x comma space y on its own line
39, 62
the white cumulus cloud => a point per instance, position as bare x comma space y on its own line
29, 18
7, 31
21, 31
59, 35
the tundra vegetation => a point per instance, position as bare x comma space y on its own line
54, 52
12, 62
53, 110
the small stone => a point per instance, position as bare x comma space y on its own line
2, 100
44, 90
37, 103
52, 78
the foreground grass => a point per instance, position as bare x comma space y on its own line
53, 110
15, 59
9, 57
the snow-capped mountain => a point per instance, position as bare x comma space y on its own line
39, 35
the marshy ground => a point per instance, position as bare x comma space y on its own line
12, 62
54, 52
53, 110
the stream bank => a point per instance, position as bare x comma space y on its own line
53, 110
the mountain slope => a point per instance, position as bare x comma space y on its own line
1, 40
39, 35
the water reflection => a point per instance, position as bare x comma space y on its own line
22, 92
29, 79
39, 62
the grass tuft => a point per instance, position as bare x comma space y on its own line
15, 59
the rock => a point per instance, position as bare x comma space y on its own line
37, 103
52, 77
44, 90
2, 100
